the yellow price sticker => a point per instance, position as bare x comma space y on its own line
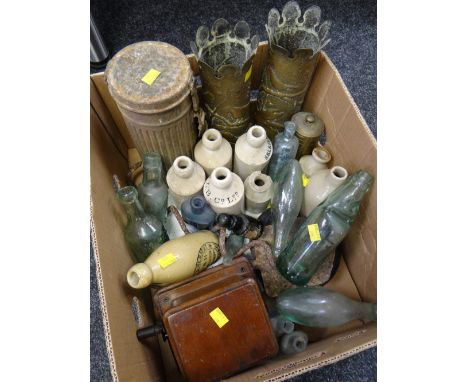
167, 260
151, 76
305, 180
269, 205
314, 232
248, 74
219, 317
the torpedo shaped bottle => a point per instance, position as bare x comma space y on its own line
176, 260
241, 225
325, 228
321, 308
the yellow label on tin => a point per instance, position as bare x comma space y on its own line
314, 232
305, 180
248, 74
167, 260
218, 316
151, 76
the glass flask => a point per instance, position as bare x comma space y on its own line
284, 148
143, 232
325, 228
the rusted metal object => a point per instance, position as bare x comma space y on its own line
309, 129
225, 62
158, 109
292, 58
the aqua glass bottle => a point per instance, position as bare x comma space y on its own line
286, 203
284, 148
152, 191
294, 342
325, 228
322, 308
143, 232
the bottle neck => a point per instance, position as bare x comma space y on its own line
183, 167
221, 177
152, 168
289, 130
128, 197
212, 139
368, 311
256, 136
152, 175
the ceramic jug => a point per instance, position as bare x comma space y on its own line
176, 260
252, 152
224, 191
258, 192
311, 164
213, 151
185, 179
321, 184
197, 212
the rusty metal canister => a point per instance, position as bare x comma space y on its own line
309, 129
153, 86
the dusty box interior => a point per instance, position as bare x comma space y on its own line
124, 310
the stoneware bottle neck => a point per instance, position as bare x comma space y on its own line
260, 182
256, 136
321, 155
337, 175
221, 177
212, 139
183, 167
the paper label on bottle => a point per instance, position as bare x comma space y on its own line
219, 317
167, 260
305, 180
314, 232
248, 74
151, 76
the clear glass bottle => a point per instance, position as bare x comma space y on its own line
143, 232
152, 191
286, 203
322, 308
325, 228
284, 148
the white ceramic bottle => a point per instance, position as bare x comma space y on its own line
321, 184
213, 151
311, 164
224, 191
252, 152
185, 179
258, 191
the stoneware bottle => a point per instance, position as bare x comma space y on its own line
213, 151
311, 164
258, 191
252, 152
176, 260
185, 179
294, 342
321, 308
197, 212
321, 184
152, 191
284, 148
224, 191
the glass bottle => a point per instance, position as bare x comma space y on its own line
241, 225
233, 244
294, 342
286, 203
143, 232
281, 326
325, 228
284, 148
321, 308
152, 191
197, 212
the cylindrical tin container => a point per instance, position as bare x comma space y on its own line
309, 129
152, 84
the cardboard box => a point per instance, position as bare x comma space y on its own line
124, 310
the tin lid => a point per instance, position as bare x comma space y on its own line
126, 71
308, 124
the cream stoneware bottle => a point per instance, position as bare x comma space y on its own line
185, 179
224, 191
252, 152
258, 192
321, 184
213, 151
311, 164
176, 260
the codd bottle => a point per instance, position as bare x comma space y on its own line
284, 148
321, 308
143, 232
152, 191
286, 203
325, 228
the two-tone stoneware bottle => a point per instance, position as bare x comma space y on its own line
224, 190
213, 151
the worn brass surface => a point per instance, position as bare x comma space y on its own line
309, 129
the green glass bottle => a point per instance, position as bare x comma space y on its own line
294, 342
143, 232
152, 191
322, 308
325, 228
